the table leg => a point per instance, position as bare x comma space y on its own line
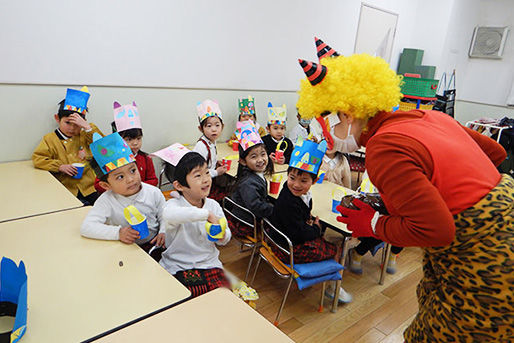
385, 258
344, 252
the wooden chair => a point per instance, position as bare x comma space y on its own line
250, 242
280, 268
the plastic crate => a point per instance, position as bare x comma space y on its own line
407, 106
414, 86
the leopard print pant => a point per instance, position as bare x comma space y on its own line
467, 292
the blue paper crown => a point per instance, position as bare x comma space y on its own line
308, 155
76, 100
13, 291
111, 152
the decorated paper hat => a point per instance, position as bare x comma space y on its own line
76, 100
126, 117
13, 296
208, 108
308, 155
247, 134
110, 152
277, 115
172, 154
246, 106
323, 49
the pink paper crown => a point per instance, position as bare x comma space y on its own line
247, 134
126, 116
208, 108
172, 154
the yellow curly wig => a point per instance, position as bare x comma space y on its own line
359, 85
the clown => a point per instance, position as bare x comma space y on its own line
441, 187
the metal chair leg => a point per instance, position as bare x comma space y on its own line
250, 263
344, 253
385, 257
283, 301
256, 267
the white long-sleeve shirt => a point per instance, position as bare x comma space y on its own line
296, 132
186, 237
202, 150
106, 218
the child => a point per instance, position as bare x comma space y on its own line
190, 256
69, 144
128, 124
337, 168
292, 211
302, 129
211, 125
276, 139
247, 112
115, 165
370, 244
251, 189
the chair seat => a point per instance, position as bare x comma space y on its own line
278, 265
356, 163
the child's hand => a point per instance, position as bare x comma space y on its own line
316, 222
212, 218
128, 235
159, 240
221, 170
68, 169
272, 157
76, 119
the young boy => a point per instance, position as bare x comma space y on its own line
276, 139
302, 129
190, 256
69, 144
292, 210
127, 123
116, 167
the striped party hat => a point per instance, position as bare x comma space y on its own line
324, 50
315, 72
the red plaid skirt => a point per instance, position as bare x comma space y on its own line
310, 251
217, 192
238, 229
200, 281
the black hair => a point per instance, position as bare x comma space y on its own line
187, 163
300, 172
130, 133
98, 171
204, 122
61, 112
249, 114
243, 171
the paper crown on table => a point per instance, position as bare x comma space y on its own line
13, 295
172, 154
277, 115
110, 152
308, 155
208, 108
247, 134
76, 100
126, 116
246, 106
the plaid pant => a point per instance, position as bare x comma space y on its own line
238, 229
311, 251
200, 281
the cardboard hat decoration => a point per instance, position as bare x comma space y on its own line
308, 155
13, 298
208, 108
323, 49
247, 134
246, 106
76, 100
110, 152
126, 117
277, 115
172, 154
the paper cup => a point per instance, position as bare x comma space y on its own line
274, 187
227, 163
279, 154
214, 230
235, 145
335, 203
80, 170
142, 228
337, 194
321, 176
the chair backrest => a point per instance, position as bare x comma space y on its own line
161, 177
267, 230
228, 207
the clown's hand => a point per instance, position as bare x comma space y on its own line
362, 221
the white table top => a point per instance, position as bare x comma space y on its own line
27, 191
76, 286
215, 317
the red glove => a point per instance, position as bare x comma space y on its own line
358, 221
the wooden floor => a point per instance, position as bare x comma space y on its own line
377, 313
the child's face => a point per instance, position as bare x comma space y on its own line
212, 128
246, 117
277, 131
124, 180
134, 143
67, 126
257, 160
199, 181
299, 182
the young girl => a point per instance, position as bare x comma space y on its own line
211, 125
128, 124
251, 189
337, 168
247, 112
